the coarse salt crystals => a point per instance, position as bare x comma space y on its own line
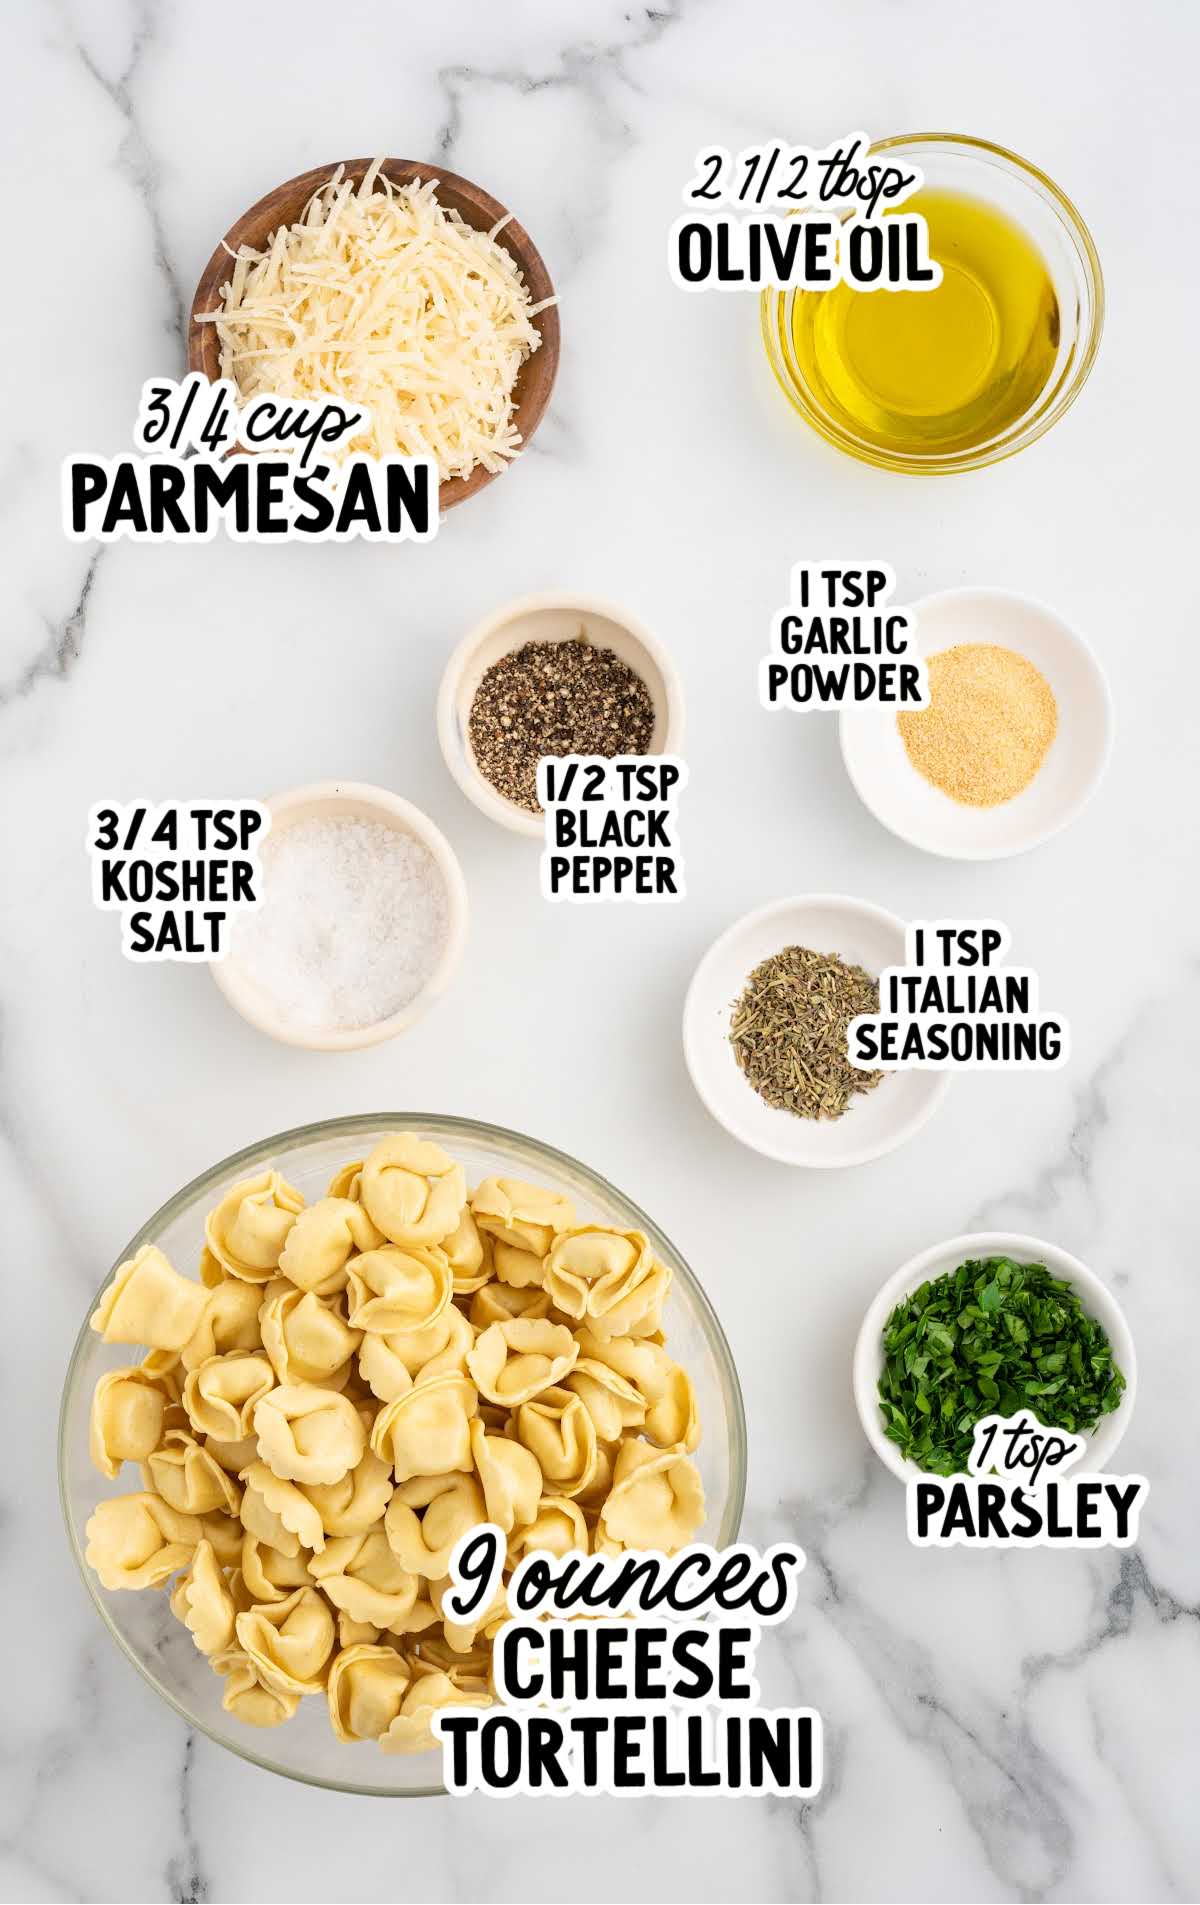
352, 925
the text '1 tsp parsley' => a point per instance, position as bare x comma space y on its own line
991, 1338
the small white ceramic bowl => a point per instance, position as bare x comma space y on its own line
887, 782
1098, 1300
333, 800
875, 1121
554, 617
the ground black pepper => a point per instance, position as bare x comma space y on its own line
555, 698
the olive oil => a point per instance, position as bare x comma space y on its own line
932, 372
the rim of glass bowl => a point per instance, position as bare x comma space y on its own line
1052, 403
524, 1149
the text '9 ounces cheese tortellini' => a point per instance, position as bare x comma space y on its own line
349, 1388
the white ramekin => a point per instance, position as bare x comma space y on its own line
357, 801
555, 617
1098, 1300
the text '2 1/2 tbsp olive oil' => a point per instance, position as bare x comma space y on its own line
943, 370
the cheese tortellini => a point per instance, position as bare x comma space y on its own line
249, 1228
611, 1278
513, 1362
149, 1302
350, 1387
412, 1191
306, 1434
129, 1410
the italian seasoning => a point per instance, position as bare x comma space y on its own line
555, 698
789, 1031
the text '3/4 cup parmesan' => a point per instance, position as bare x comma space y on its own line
379, 296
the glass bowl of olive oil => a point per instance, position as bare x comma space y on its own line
970, 371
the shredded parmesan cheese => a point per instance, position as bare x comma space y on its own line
381, 297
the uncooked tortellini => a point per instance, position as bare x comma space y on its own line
362, 1575
229, 1322
289, 1643
249, 1227
366, 1690
306, 1434
268, 1574
412, 1191
557, 1429
128, 1410
558, 1527
427, 1431
410, 1731
510, 1476
183, 1472
657, 1500
611, 1278
203, 1600
350, 1388
249, 1697
306, 1339
502, 1302
614, 1404
427, 1516
149, 1302
513, 1362
522, 1215
278, 1513
221, 1395
138, 1541
665, 1387
356, 1502
321, 1242
393, 1290
390, 1365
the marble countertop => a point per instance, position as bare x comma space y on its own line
997, 1727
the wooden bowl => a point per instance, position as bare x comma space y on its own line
477, 208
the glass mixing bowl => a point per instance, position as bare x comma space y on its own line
981, 171
142, 1623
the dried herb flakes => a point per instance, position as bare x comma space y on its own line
991, 1338
789, 1031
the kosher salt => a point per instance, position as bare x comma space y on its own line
352, 923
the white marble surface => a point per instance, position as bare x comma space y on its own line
998, 1728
